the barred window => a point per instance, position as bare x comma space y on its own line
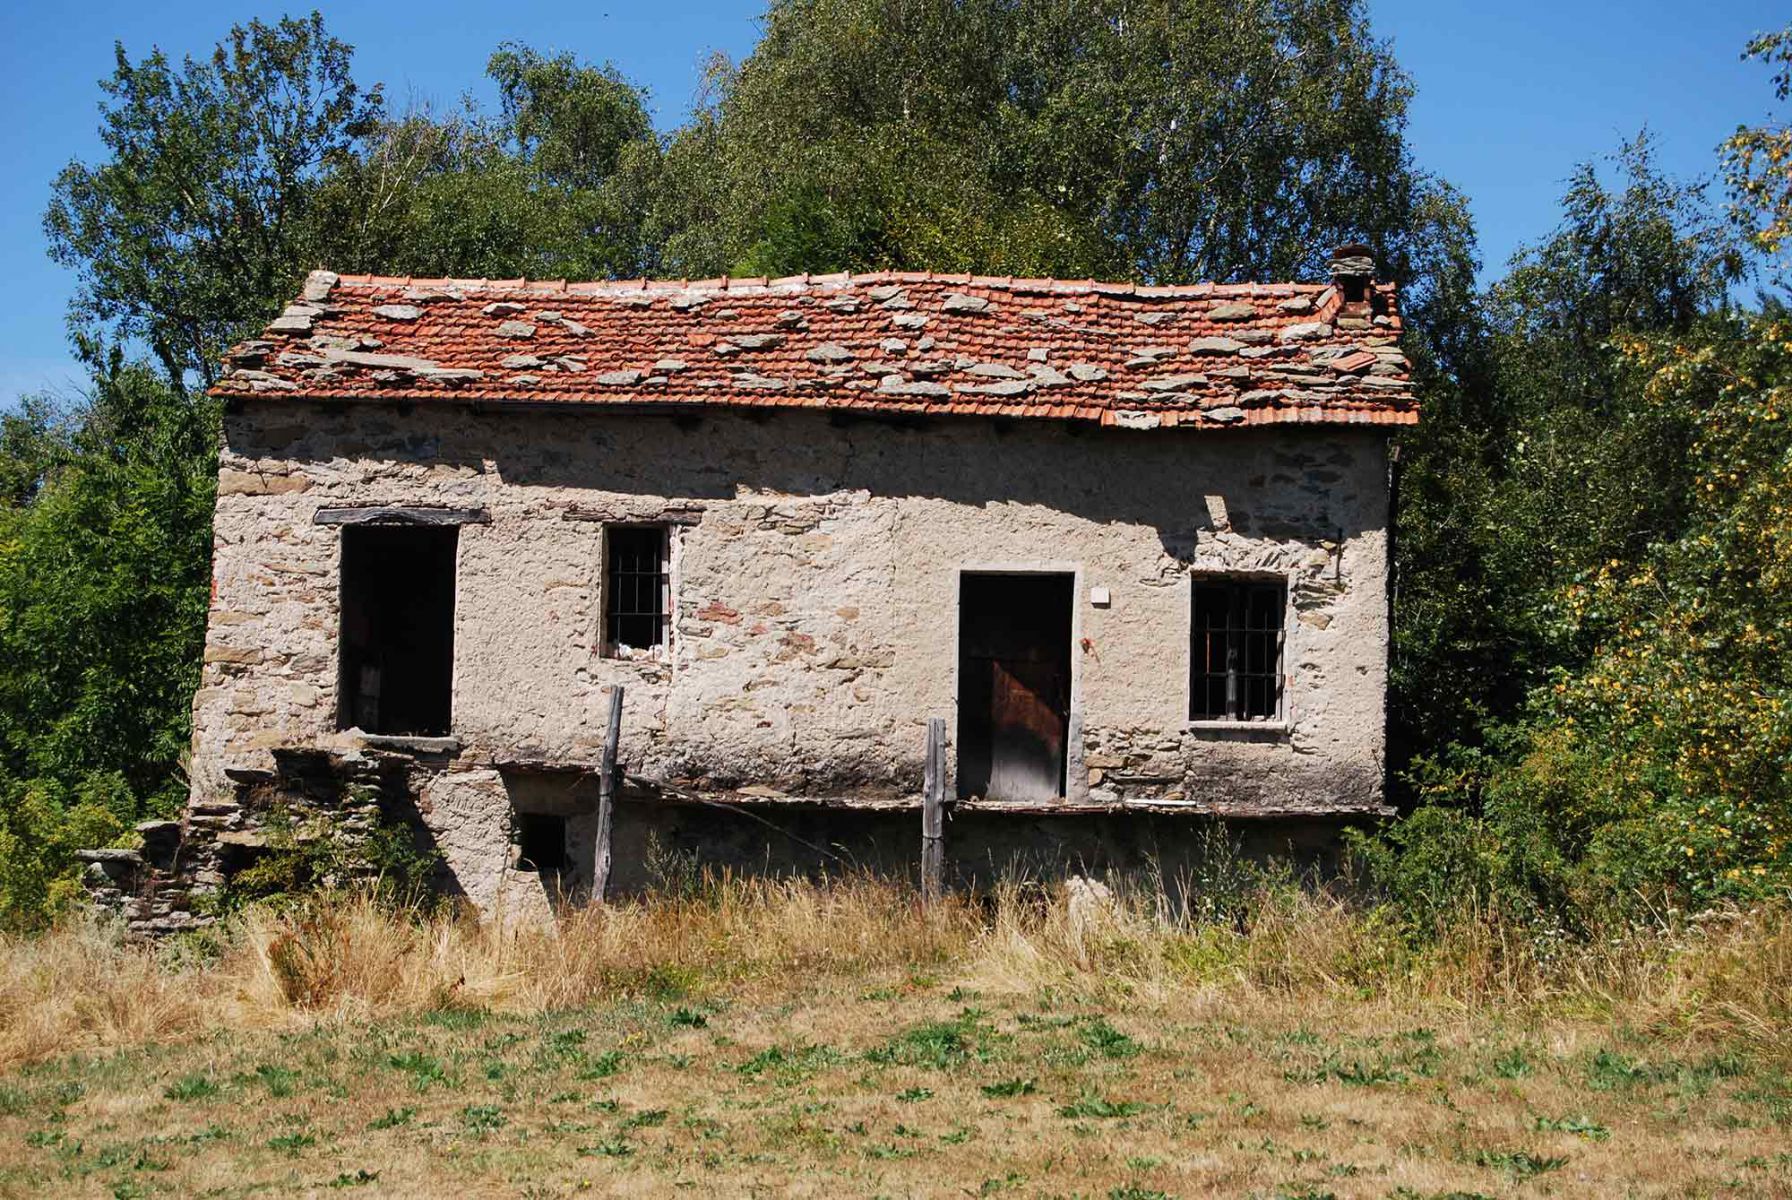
1236, 649
637, 589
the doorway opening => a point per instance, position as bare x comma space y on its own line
1013, 685
397, 628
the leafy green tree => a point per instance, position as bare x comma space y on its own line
195, 227
1590, 649
555, 186
104, 576
1539, 460
33, 438
1758, 158
571, 123
1161, 142
1659, 768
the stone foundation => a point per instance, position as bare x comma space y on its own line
463, 811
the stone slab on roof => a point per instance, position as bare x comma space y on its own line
1132, 356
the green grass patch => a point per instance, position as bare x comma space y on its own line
189, 1088
1092, 1105
614, 1148
1580, 1126
646, 1119
483, 1118
601, 1066
792, 1065
425, 1070
1007, 1089
941, 1045
280, 1082
1519, 1164
1107, 1041
392, 1118
292, 1143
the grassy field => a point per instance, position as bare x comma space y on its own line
840, 1043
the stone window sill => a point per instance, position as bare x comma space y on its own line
650, 656
1271, 728
410, 743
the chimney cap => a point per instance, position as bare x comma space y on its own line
1353, 261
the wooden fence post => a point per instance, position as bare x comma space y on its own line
606, 797
933, 799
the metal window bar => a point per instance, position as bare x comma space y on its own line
638, 588
1236, 650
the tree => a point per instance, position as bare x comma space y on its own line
569, 122
1538, 460
194, 229
104, 576
555, 186
1160, 142
1758, 159
1661, 765
33, 439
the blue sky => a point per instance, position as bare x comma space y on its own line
1510, 96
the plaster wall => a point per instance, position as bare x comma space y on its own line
815, 575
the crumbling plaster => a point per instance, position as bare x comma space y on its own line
815, 577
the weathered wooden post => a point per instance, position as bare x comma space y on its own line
933, 801
606, 797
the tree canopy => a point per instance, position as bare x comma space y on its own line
1589, 685
1161, 142
193, 226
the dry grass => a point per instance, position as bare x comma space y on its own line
766, 1038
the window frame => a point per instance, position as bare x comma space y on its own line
1239, 585
611, 646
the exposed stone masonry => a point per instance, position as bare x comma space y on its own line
173, 883
815, 565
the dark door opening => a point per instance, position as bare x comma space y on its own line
1013, 685
397, 628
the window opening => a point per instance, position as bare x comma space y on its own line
1236, 645
637, 590
397, 636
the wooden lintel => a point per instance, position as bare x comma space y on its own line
392, 514
674, 514
639, 786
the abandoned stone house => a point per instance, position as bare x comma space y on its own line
1130, 542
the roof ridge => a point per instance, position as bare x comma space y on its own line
759, 284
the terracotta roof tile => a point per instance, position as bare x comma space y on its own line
1138, 357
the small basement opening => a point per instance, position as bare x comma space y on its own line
1013, 685
397, 628
541, 842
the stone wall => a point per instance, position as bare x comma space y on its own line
815, 566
